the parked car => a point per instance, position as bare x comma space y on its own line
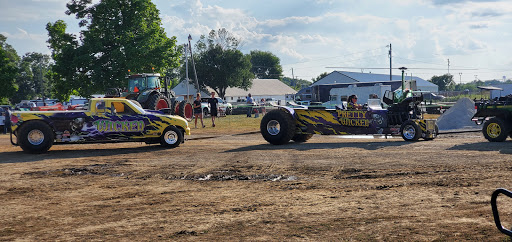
432, 96
223, 106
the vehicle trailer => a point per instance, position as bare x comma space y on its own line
106, 120
496, 117
299, 124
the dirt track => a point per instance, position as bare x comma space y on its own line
239, 187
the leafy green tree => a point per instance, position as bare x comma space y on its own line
32, 80
220, 65
444, 82
8, 69
119, 35
265, 65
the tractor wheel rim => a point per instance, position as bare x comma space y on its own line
35, 137
171, 137
409, 132
161, 104
493, 130
273, 127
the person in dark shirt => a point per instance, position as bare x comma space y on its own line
352, 103
198, 112
212, 101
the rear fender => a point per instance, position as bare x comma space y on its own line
291, 111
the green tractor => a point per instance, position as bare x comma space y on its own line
146, 89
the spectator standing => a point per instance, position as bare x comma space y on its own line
212, 102
198, 112
249, 105
263, 110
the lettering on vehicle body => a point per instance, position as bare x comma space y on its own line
353, 118
108, 126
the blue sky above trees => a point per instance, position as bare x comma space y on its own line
310, 35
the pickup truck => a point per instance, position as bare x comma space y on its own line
223, 106
105, 120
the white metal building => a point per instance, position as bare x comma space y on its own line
351, 77
260, 89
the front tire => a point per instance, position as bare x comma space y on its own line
172, 137
277, 127
410, 131
495, 130
35, 137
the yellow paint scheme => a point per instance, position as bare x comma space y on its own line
102, 110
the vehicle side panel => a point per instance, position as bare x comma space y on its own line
76, 126
339, 122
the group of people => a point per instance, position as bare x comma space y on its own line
198, 111
250, 105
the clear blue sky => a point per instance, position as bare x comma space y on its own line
310, 35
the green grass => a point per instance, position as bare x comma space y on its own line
230, 124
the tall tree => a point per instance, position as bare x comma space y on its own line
265, 65
444, 82
119, 35
220, 65
8, 69
32, 80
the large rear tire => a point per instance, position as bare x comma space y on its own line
172, 137
277, 127
410, 131
495, 130
185, 110
35, 137
158, 101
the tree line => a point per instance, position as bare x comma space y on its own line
446, 83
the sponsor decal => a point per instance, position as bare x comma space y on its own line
107, 126
353, 118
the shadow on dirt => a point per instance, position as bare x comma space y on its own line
20, 156
314, 146
502, 147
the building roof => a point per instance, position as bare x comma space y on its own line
349, 77
260, 87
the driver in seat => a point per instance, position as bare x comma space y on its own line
352, 103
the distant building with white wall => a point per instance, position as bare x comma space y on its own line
260, 89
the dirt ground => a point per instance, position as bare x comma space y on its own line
238, 187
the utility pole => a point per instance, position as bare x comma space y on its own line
390, 63
193, 64
293, 79
186, 71
448, 66
460, 78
